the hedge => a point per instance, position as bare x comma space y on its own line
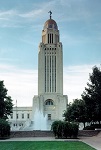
92, 127
63, 129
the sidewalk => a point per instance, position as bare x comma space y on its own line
38, 139
94, 141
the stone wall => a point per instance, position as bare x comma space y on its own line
37, 133
88, 132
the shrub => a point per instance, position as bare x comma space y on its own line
54, 127
96, 126
92, 127
60, 129
57, 127
89, 128
74, 128
4, 129
64, 129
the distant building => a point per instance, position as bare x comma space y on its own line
50, 99
20, 118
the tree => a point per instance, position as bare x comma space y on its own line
76, 112
4, 129
92, 96
5, 102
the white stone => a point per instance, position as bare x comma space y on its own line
50, 99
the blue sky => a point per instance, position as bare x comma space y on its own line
21, 24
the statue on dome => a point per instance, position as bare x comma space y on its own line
50, 14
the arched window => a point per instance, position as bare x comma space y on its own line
49, 102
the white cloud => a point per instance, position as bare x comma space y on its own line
75, 80
7, 13
22, 84
63, 10
31, 14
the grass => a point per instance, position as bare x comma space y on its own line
44, 145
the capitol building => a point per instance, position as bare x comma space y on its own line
50, 100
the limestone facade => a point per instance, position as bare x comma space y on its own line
20, 118
50, 99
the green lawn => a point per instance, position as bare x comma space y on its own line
43, 145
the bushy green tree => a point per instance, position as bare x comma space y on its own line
92, 96
5, 102
76, 112
87, 109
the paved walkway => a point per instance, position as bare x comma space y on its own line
38, 139
94, 141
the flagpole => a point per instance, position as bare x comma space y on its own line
16, 113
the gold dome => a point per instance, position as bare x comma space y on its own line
50, 24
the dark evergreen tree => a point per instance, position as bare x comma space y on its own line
92, 96
5, 102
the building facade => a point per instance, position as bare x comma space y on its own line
20, 118
50, 100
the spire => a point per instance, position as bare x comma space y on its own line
50, 14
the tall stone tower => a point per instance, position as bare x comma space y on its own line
50, 99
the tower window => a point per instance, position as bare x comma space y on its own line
48, 38
49, 116
45, 73
50, 25
55, 73
52, 38
49, 102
